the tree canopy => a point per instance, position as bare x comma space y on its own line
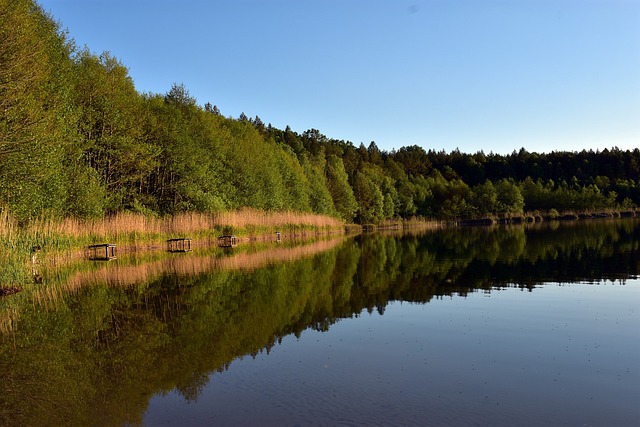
77, 139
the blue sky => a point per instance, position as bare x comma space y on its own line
491, 75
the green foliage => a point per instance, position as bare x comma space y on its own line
370, 199
339, 188
509, 200
407, 198
86, 198
319, 195
296, 186
34, 110
77, 139
485, 198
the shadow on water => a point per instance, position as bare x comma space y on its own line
97, 343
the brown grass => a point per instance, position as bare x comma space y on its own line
252, 217
7, 224
127, 225
416, 222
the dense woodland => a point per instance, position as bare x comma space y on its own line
77, 139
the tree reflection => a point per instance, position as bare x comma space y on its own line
103, 349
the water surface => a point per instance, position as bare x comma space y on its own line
478, 326
559, 355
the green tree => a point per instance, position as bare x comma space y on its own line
36, 116
190, 172
406, 206
339, 188
111, 126
391, 204
296, 185
484, 198
319, 196
370, 199
509, 199
375, 155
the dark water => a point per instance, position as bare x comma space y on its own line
475, 326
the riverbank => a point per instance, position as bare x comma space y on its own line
552, 215
57, 241
24, 249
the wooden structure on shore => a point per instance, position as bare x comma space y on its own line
35, 264
181, 244
227, 241
102, 252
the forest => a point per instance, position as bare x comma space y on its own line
78, 140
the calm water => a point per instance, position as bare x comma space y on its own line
477, 326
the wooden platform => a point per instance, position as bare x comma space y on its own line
102, 252
227, 241
181, 244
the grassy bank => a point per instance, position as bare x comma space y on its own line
63, 240
57, 239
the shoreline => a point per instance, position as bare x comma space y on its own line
47, 244
565, 216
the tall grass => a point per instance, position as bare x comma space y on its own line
15, 251
62, 236
418, 222
127, 226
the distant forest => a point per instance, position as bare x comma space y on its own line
77, 139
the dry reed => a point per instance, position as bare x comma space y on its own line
7, 224
127, 225
416, 222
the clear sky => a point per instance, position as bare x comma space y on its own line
491, 75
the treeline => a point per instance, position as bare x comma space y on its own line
77, 139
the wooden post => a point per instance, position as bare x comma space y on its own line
182, 244
103, 252
227, 241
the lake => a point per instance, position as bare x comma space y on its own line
510, 325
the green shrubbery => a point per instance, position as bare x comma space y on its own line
77, 139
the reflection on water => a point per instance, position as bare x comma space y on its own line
251, 339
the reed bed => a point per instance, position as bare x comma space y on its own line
60, 239
251, 217
15, 251
127, 226
422, 223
